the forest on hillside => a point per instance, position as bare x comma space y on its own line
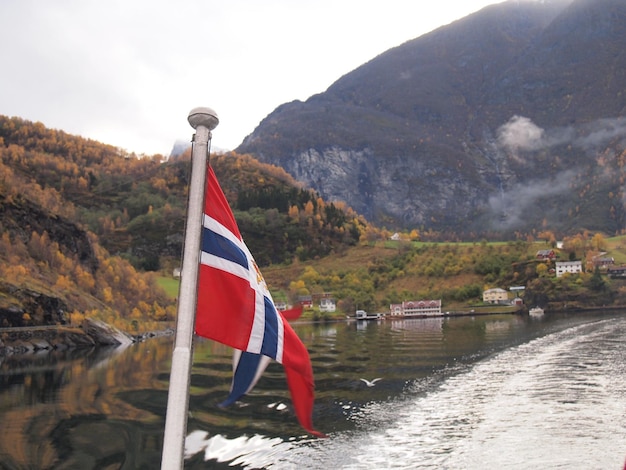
136, 206
88, 223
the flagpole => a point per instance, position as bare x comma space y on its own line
203, 120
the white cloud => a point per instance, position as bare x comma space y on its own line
520, 133
509, 206
601, 132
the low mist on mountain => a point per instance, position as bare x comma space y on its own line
507, 121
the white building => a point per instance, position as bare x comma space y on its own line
495, 296
572, 267
416, 308
327, 305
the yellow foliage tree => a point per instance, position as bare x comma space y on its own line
598, 242
542, 269
63, 283
76, 318
107, 295
294, 213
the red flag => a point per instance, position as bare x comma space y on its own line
235, 308
292, 313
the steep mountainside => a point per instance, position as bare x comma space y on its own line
505, 121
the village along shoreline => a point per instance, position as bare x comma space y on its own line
93, 334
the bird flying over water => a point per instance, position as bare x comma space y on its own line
371, 383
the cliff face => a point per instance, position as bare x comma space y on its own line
473, 127
45, 309
20, 219
387, 189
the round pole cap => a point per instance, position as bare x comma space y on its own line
203, 116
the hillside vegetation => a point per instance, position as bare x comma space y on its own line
85, 227
371, 276
89, 230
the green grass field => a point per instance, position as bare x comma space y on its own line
170, 285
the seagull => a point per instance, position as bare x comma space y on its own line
372, 383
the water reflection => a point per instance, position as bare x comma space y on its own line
66, 409
106, 409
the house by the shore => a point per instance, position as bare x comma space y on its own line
416, 309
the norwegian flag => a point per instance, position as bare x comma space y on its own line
236, 308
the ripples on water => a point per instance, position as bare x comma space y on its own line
492, 392
557, 401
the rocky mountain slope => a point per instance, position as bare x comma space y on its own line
506, 121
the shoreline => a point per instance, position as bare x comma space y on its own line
478, 311
94, 334
91, 334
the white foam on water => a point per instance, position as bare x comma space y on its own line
555, 402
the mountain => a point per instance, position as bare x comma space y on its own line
82, 224
507, 121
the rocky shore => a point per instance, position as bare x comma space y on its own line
91, 334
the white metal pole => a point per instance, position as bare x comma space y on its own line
204, 120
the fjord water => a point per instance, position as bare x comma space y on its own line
495, 391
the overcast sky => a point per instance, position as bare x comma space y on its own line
127, 72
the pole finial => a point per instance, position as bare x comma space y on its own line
203, 116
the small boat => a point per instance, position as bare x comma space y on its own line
363, 315
536, 312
